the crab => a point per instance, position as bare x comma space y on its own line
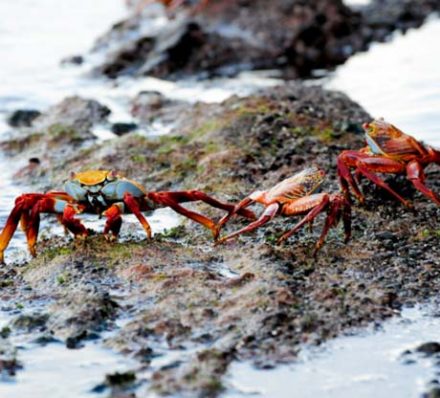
388, 150
105, 193
292, 197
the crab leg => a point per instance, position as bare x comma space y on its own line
57, 206
172, 199
239, 207
338, 205
317, 203
114, 220
23, 205
345, 160
269, 213
416, 175
133, 206
368, 166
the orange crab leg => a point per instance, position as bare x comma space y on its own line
337, 205
114, 221
172, 199
317, 203
51, 204
346, 181
20, 212
416, 175
134, 207
269, 213
238, 208
366, 166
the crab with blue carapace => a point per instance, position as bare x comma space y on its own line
106, 193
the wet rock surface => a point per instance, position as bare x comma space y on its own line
63, 128
23, 117
226, 37
206, 306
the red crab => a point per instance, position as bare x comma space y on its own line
294, 196
391, 151
101, 192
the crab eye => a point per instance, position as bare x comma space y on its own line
112, 176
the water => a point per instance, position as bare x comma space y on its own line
368, 364
83, 369
398, 80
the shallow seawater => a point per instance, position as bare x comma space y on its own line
398, 80
367, 364
52, 370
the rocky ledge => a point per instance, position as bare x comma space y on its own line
251, 299
226, 37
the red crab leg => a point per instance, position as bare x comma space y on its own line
416, 175
338, 204
367, 166
172, 199
269, 213
51, 204
114, 221
23, 204
346, 160
317, 203
237, 208
133, 206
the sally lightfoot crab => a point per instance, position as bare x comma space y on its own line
101, 192
389, 151
294, 196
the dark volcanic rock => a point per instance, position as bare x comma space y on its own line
429, 348
228, 36
123, 128
23, 117
384, 16
73, 60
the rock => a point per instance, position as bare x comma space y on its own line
23, 117
433, 393
123, 128
148, 102
384, 16
30, 322
118, 379
76, 113
73, 60
9, 363
429, 348
227, 37
173, 291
